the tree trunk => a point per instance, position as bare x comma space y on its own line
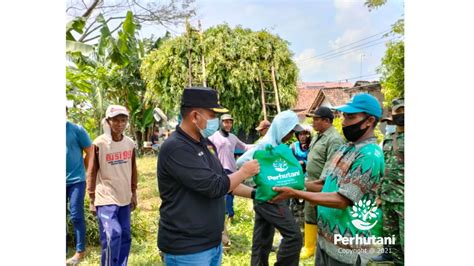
139, 140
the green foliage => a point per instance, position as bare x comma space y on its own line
378, 134
75, 25
111, 76
233, 60
399, 27
374, 4
73, 46
393, 66
337, 123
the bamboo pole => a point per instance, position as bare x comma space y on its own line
190, 73
277, 96
264, 110
204, 82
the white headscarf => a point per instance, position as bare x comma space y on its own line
281, 125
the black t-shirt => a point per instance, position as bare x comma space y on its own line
192, 185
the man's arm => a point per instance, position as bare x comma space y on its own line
247, 170
195, 175
88, 150
327, 199
247, 156
243, 191
314, 186
241, 145
92, 169
85, 143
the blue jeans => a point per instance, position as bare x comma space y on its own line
211, 257
115, 235
75, 197
229, 204
229, 200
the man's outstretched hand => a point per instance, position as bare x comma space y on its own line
251, 168
284, 193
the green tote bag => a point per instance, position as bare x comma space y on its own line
278, 168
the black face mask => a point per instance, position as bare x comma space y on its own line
399, 119
354, 132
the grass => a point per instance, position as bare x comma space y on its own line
144, 221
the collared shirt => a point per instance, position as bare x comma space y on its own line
393, 182
321, 149
192, 185
355, 171
226, 147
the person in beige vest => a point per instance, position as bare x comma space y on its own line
112, 186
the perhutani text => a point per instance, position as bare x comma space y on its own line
364, 240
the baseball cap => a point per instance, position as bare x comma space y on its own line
362, 103
226, 117
263, 125
397, 103
298, 128
323, 112
202, 97
305, 127
115, 110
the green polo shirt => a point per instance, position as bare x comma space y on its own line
322, 147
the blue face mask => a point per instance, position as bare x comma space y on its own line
389, 129
211, 127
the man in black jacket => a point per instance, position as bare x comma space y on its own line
192, 185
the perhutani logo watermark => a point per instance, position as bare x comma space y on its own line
364, 217
280, 165
363, 213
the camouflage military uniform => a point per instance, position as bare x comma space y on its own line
392, 193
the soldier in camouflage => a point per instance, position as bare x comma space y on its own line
391, 194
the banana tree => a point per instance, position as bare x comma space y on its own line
110, 75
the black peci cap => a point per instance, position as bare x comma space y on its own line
202, 97
323, 112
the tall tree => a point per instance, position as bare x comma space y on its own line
392, 66
234, 59
162, 13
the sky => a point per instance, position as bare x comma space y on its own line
312, 28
